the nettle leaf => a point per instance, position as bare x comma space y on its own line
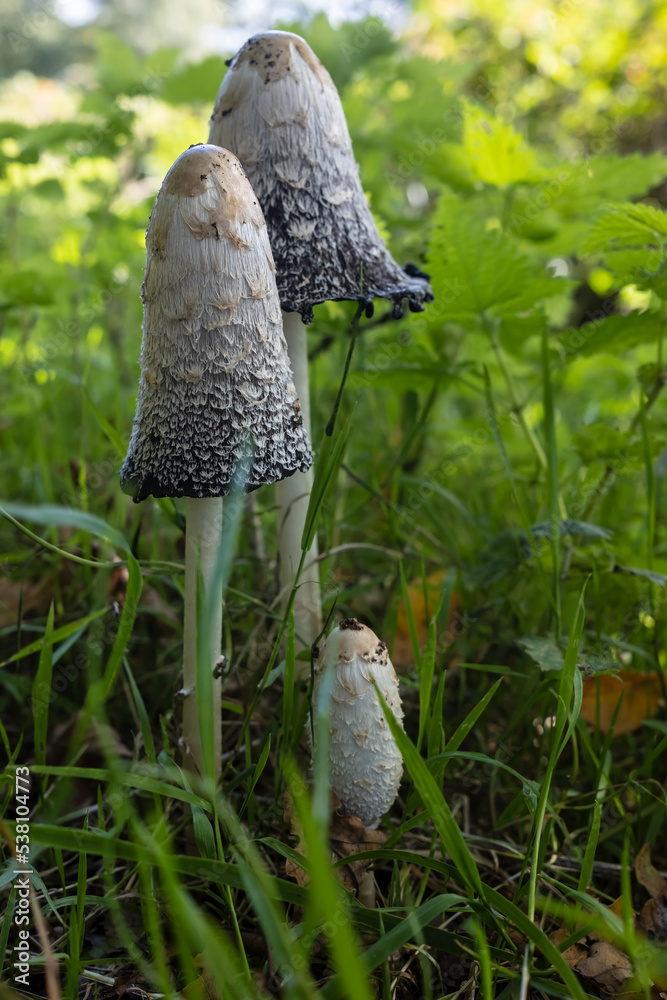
476, 267
585, 185
612, 334
497, 154
632, 225
631, 240
543, 651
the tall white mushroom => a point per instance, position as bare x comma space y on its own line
279, 111
365, 763
217, 408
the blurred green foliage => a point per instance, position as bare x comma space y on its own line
512, 436
499, 153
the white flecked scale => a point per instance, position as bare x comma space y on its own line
278, 110
216, 398
365, 762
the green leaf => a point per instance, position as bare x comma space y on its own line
118, 65
632, 225
195, 82
611, 334
476, 267
544, 651
497, 153
615, 178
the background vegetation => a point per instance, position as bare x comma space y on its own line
505, 450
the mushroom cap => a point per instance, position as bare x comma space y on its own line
279, 111
217, 405
365, 762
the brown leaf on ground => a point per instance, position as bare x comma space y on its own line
347, 836
648, 876
641, 699
595, 959
401, 652
572, 955
606, 966
617, 909
653, 917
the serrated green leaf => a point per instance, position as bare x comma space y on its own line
497, 153
629, 224
476, 267
544, 651
589, 183
612, 334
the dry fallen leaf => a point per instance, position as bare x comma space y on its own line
596, 959
606, 966
401, 652
653, 918
347, 836
575, 953
641, 699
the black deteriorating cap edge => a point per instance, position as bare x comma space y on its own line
280, 112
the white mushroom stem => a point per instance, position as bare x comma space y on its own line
203, 538
293, 499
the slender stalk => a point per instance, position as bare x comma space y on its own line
203, 540
491, 328
293, 496
354, 333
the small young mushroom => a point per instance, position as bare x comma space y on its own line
217, 409
279, 111
365, 762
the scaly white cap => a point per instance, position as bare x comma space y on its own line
216, 402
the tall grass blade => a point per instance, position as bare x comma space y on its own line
41, 691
